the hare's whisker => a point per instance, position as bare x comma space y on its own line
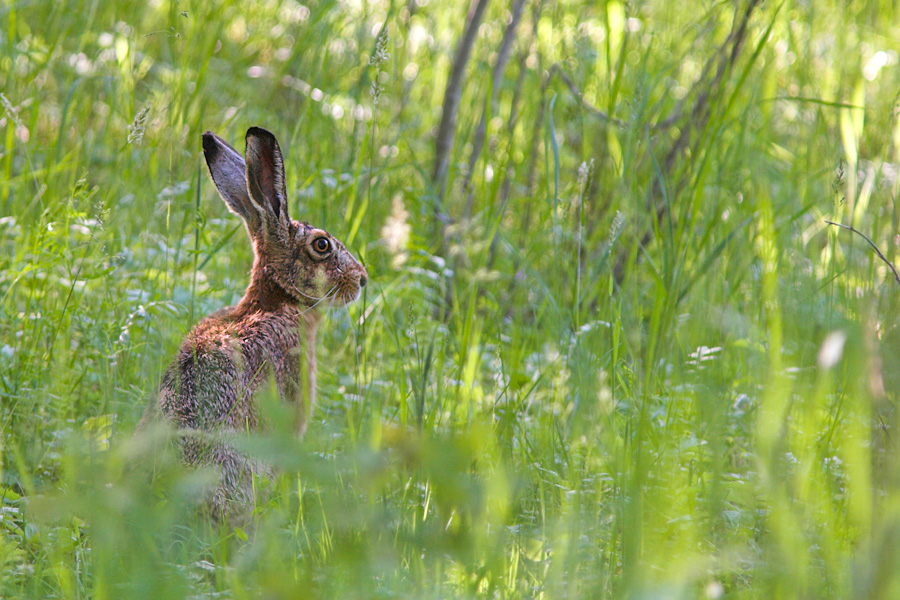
320, 300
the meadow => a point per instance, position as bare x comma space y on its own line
610, 347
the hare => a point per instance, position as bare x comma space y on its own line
208, 391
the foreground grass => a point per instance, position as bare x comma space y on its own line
500, 416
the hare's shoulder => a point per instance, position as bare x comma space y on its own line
215, 333
256, 337
282, 325
274, 329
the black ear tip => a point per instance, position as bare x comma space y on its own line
210, 147
263, 135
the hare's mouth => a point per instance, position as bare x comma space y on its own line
346, 294
348, 286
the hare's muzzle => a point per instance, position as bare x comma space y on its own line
354, 280
362, 278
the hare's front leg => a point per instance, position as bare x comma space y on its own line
298, 390
297, 380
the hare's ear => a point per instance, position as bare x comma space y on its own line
265, 174
228, 172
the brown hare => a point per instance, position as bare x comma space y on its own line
208, 391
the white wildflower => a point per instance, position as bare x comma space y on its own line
376, 89
832, 349
378, 58
138, 126
584, 174
616, 226
396, 231
381, 54
11, 111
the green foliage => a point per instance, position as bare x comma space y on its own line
582, 370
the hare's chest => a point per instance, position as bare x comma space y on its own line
277, 345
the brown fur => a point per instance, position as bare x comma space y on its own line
208, 391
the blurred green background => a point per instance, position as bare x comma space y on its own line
610, 347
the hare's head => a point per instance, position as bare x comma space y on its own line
306, 263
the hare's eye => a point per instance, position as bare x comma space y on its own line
321, 245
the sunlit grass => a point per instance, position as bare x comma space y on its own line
500, 415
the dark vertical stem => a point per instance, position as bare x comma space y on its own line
453, 95
447, 130
500, 63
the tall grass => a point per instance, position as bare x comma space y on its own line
650, 378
